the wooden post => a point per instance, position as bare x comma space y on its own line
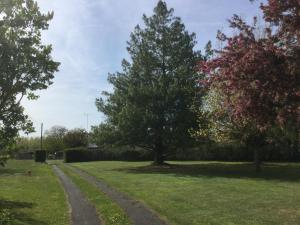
41, 136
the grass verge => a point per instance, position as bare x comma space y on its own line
36, 199
209, 193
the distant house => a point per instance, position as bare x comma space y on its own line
92, 146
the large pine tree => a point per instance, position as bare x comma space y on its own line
151, 103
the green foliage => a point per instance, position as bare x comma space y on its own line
26, 64
258, 80
27, 144
75, 138
40, 156
54, 139
236, 141
151, 103
57, 138
105, 134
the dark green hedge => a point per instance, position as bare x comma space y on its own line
40, 156
24, 155
84, 155
234, 152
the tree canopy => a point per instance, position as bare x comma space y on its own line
26, 64
76, 137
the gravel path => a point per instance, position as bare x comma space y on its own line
82, 212
137, 212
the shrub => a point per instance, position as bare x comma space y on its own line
40, 156
84, 155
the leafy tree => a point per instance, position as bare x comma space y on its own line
151, 103
54, 140
25, 64
259, 78
75, 138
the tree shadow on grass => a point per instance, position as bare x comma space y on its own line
10, 171
16, 215
270, 171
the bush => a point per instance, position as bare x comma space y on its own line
40, 156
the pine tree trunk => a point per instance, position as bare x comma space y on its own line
158, 153
257, 160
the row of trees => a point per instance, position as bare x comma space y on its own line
246, 92
57, 138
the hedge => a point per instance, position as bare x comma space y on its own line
235, 152
84, 155
24, 155
208, 151
40, 156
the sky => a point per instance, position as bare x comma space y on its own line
89, 40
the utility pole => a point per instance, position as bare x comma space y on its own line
87, 128
41, 136
27, 143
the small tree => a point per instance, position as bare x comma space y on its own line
151, 103
25, 64
259, 78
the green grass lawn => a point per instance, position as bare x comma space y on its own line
209, 193
110, 212
31, 200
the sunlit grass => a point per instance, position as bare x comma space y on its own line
196, 193
31, 200
110, 212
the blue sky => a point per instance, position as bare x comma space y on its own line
89, 39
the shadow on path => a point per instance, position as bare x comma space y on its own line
270, 171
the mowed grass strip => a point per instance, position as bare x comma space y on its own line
110, 212
36, 199
209, 193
